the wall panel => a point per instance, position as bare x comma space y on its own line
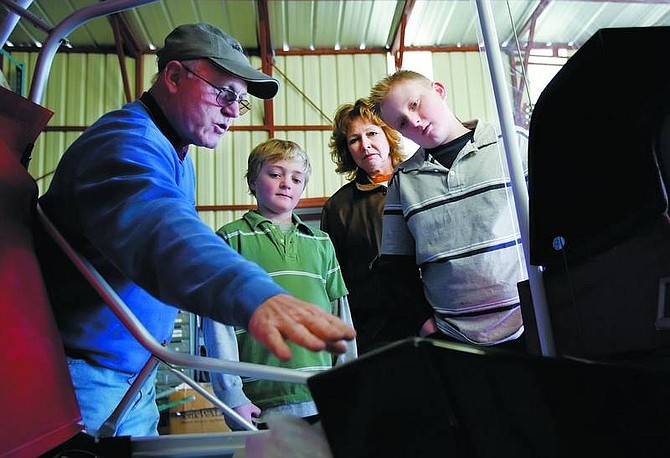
222, 180
469, 89
81, 87
315, 113
327, 79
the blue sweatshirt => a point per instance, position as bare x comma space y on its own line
125, 200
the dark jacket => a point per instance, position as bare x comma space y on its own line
353, 219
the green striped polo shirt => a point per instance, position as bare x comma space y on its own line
302, 260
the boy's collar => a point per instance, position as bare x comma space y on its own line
255, 219
485, 134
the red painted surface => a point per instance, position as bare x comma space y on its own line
39, 408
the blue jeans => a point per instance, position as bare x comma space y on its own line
99, 390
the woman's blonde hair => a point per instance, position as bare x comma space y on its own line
338, 144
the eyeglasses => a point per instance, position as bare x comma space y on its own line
225, 96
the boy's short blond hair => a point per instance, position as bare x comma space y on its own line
380, 90
275, 150
339, 146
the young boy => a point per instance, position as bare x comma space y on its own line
450, 213
297, 257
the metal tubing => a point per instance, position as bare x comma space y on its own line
17, 10
145, 338
236, 417
505, 110
108, 428
63, 29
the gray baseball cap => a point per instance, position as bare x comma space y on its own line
204, 41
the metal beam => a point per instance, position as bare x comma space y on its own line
532, 19
398, 47
129, 41
529, 27
265, 48
114, 20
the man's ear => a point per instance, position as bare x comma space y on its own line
440, 89
172, 74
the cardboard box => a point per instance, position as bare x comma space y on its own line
194, 416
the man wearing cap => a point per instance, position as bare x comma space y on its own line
123, 195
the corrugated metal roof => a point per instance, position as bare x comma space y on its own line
328, 25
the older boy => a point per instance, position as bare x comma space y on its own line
300, 259
449, 211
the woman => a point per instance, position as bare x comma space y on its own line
366, 150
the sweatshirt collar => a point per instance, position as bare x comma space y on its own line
164, 124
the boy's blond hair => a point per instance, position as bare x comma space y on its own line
339, 145
380, 90
275, 150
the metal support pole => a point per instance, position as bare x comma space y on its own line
63, 29
230, 413
18, 9
108, 428
505, 110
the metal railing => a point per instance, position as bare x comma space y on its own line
160, 353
